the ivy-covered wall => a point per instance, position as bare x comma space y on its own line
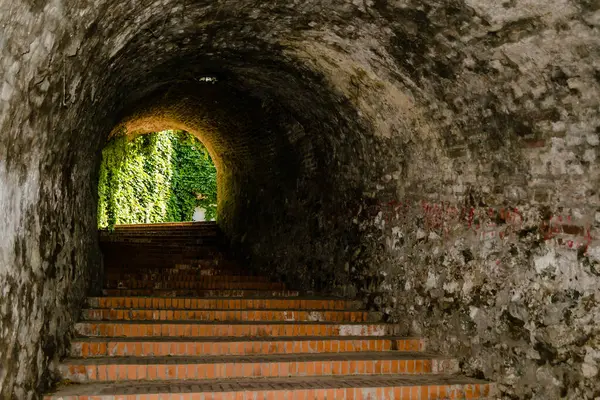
157, 177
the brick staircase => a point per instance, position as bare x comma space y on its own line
177, 320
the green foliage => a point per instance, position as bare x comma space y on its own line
159, 177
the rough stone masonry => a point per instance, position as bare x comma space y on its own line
437, 159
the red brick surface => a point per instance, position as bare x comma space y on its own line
203, 328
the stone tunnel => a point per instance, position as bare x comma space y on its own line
436, 159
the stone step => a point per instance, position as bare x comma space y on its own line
162, 303
213, 284
260, 366
190, 346
237, 329
380, 387
228, 315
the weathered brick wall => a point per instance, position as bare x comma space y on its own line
491, 234
436, 159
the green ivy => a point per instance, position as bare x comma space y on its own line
158, 177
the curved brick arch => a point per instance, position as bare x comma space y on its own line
436, 159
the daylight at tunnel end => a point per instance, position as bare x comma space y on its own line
435, 160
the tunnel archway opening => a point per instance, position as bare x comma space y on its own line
359, 145
249, 138
158, 177
288, 146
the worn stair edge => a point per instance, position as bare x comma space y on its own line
224, 315
263, 358
403, 387
143, 347
253, 303
201, 293
184, 275
226, 367
169, 224
192, 285
232, 328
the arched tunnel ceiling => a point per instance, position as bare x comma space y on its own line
227, 121
416, 69
368, 143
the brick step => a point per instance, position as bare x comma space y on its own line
194, 261
168, 265
184, 272
223, 303
199, 283
121, 230
149, 251
191, 261
125, 229
127, 249
169, 247
162, 263
133, 253
173, 274
165, 229
200, 292
271, 366
139, 259
364, 387
156, 241
185, 315
161, 235
228, 315
237, 329
206, 275
187, 230
141, 347
158, 238
129, 241
169, 225
155, 256
140, 256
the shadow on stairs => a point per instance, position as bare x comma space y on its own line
178, 320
